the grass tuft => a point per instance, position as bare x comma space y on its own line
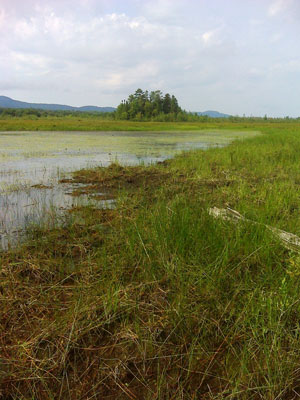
156, 299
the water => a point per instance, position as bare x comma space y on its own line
32, 163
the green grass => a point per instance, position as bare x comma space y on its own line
27, 145
64, 123
93, 124
156, 299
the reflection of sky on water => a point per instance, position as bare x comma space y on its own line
23, 208
34, 158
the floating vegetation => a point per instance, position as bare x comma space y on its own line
34, 163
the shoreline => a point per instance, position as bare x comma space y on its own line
97, 124
156, 297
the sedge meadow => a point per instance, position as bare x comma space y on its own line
149, 200
153, 298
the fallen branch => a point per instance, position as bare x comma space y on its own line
289, 240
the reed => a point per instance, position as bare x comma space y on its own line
156, 299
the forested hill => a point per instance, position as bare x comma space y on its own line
213, 114
143, 104
7, 102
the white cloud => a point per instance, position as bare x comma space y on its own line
124, 50
256, 22
256, 73
144, 72
212, 37
207, 36
169, 10
276, 37
278, 7
289, 66
26, 29
210, 54
2, 17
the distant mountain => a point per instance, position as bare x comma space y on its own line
7, 102
213, 114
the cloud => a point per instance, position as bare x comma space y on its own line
207, 36
278, 6
212, 37
109, 51
2, 17
210, 54
276, 37
168, 11
285, 8
289, 66
256, 73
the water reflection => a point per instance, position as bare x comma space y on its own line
31, 165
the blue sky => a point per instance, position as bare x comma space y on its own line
234, 56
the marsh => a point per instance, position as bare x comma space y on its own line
33, 163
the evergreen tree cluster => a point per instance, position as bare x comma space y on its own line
145, 105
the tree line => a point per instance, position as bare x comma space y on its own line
34, 113
140, 106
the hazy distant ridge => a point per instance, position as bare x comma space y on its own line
213, 114
7, 102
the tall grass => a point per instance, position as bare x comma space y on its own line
157, 299
97, 123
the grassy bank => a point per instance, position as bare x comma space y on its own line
156, 299
92, 123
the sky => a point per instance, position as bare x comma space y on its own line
233, 56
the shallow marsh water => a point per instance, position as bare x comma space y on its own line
32, 163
